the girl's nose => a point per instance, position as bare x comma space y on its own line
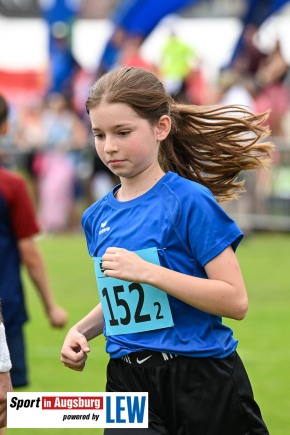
110, 145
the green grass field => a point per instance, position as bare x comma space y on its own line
263, 335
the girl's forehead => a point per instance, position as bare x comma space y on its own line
111, 111
107, 105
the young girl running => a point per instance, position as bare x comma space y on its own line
163, 229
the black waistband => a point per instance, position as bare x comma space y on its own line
147, 358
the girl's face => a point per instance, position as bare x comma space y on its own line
127, 144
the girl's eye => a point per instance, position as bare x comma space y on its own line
124, 132
99, 136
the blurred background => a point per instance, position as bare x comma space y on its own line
205, 52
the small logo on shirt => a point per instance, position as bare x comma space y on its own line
104, 228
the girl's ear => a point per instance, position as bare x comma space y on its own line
163, 127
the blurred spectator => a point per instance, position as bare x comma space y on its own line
56, 190
65, 136
272, 92
286, 124
235, 88
82, 82
268, 71
27, 135
62, 128
249, 57
197, 87
130, 54
176, 62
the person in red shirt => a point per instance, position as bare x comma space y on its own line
18, 226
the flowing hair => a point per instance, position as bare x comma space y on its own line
211, 145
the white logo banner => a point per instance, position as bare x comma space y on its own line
77, 410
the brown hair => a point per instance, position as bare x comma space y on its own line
207, 144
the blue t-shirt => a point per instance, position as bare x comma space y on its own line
184, 222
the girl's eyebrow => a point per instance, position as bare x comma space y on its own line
124, 124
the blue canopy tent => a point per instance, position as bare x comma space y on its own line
140, 17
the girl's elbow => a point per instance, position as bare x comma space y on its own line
241, 309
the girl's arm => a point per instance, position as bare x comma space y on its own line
75, 347
222, 294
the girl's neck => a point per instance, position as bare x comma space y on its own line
136, 186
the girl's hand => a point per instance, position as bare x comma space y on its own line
74, 350
123, 264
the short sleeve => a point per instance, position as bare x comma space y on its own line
210, 229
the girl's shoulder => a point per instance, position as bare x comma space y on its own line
184, 188
181, 197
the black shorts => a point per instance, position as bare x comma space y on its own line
188, 396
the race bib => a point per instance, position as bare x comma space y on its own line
130, 307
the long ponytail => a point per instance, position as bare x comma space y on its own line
212, 145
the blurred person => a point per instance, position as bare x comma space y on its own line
286, 125
27, 127
162, 226
82, 83
274, 67
18, 226
236, 88
65, 136
239, 88
176, 62
56, 190
61, 126
272, 91
269, 92
197, 86
5, 380
267, 70
26, 134
249, 57
130, 54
